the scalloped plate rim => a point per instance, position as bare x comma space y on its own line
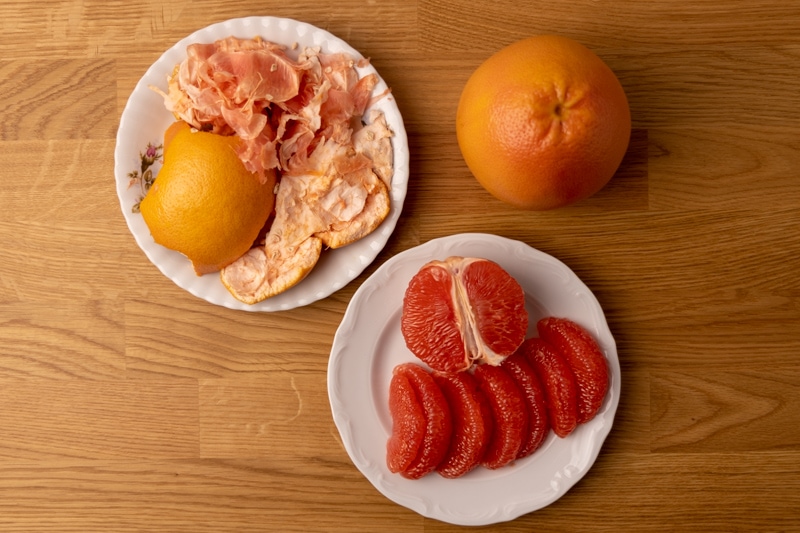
336, 268
364, 426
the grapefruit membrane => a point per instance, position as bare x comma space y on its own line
584, 357
437, 426
472, 422
461, 311
408, 424
509, 412
560, 387
369, 344
535, 400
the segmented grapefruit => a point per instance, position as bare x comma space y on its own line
408, 424
559, 384
532, 390
472, 423
509, 414
461, 311
584, 357
438, 421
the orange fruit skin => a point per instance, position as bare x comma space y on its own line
543, 123
204, 203
173, 130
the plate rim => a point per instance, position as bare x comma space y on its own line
595, 434
363, 252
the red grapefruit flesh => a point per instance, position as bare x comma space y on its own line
472, 423
438, 421
559, 384
538, 424
509, 414
584, 357
408, 424
461, 311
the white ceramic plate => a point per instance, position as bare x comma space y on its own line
145, 118
368, 345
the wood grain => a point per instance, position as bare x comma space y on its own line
80, 419
58, 99
737, 411
128, 405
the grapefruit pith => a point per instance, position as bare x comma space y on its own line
462, 311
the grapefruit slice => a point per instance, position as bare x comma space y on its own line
408, 424
536, 402
584, 357
462, 311
509, 413
559, 384
437, 427
472, 423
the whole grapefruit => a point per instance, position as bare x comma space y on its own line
543, 123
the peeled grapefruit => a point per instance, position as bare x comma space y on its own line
463, 310
531, 386
405, 406
472, 422
510, 415
543, 123
559, 384
584, 357
408, 424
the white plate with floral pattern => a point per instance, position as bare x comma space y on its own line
368, 345
141, 131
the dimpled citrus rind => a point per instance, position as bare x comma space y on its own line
543, 123
204, 203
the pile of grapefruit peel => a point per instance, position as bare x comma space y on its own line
302, 119
487, 396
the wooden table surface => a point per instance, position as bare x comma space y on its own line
126, 404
